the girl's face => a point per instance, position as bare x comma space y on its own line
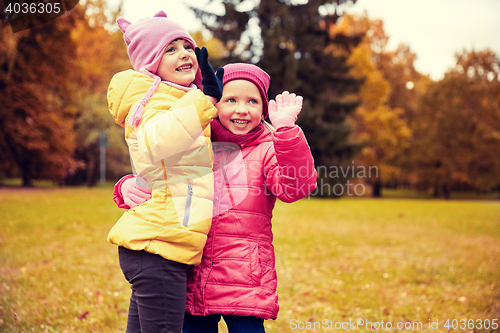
178, 64
240, 108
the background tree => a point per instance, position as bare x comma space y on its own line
215, 47
54, 80
380, 130
36, 116
294, 46
100, 53
408, 86
457, 133
390, 95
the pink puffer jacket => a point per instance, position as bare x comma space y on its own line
237, 273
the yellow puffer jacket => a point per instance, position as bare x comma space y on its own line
170, 149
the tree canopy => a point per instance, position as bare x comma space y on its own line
53, 82
457, 137
379, 129
37, 110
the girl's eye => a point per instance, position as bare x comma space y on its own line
252, 101
188, 47
170, 49
231, 100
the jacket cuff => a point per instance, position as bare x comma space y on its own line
117, 192
288, 132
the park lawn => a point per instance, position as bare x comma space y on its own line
390, 260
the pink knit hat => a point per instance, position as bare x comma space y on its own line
146, 40
252, 73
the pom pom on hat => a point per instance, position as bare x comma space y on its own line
252, 73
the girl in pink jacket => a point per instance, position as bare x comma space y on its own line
254, 163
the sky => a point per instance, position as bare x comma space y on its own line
433, 29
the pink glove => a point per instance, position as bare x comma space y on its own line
283, 112
135, 191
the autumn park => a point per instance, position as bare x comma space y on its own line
403, 227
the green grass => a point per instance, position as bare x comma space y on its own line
55, 263
18, 182
392, 260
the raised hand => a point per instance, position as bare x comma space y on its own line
212, 83
135, 191
284, 109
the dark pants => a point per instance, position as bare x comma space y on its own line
210, 324
158, 292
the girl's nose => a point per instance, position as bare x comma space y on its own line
184, 53
241, 109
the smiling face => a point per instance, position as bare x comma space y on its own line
178, 64
240, 108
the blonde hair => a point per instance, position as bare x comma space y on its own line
268, 126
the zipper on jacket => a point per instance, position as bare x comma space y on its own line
187, 209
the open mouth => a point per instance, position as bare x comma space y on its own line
240, 122
184, 68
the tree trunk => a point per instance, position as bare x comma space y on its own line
446, 191
27, 179
436, 191
92, 171
377, 189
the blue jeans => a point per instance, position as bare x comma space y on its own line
158, 292
210, 324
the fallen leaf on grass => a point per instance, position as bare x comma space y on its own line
100, 298
83, 315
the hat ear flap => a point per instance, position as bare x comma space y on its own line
123, 24
161, 13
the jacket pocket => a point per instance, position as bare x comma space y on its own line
187, 208
255, 267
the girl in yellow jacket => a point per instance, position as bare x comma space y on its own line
166, 119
